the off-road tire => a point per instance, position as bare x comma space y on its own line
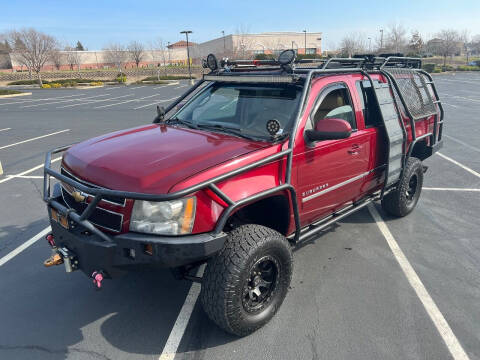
226, 278
400, 202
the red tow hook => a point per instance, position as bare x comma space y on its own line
51, 240
97, 277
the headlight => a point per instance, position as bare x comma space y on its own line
163, 218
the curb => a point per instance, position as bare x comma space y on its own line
14, 95
88, 87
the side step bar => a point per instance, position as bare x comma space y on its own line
332, 219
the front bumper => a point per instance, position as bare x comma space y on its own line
127, 251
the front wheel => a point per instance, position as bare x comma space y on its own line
245, 284
402, 200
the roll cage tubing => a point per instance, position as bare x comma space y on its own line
100, 193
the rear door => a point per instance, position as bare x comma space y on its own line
330, 173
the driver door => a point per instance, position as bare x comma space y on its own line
332, 171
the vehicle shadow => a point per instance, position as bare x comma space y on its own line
49, 314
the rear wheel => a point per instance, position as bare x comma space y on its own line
245, 284
404, 198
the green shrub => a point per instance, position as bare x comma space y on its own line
9, 92
264, 57
428, 67
468, 68
121, 78
308, 56
27, 82
56, 85
96, 83
447, 68
437, 70
46, 86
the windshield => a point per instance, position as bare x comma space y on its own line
242, 109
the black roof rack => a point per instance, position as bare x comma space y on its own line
278, 71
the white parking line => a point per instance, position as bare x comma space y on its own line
444, 103
159, 101
93, 101
169, 84
436, 316
124, 102
171, 346
138, 87
25, 245
179, 87
450, 189
23, 173
462, 143
466, 168
34, 100
458, 81
6, 129
32, 139
63, 101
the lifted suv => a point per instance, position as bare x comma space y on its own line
254, 158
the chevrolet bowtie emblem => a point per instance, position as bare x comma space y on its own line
78, 196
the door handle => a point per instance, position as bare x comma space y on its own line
354, 149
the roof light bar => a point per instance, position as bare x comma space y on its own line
277, 79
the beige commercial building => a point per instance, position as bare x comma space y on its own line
248, 45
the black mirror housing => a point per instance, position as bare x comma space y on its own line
160, 114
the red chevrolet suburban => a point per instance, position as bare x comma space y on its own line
254, 158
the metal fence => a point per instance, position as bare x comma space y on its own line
102, 74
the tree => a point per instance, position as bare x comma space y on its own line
32, 48
352, 44
116, 54
416, 43
447, 44
474, 45
243, 43
74, 57
396, 40
79, 46
158, 47
136, 51
57, 59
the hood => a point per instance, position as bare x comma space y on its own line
152, 158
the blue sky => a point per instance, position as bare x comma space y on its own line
96, 23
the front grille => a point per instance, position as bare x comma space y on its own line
111, 199
101, 217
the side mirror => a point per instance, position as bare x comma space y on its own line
160, 114
330, 129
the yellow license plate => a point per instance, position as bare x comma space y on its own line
62, 220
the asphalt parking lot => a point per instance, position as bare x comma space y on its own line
350, 297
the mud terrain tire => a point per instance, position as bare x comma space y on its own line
247, 281
401, 201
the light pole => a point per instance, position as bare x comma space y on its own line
305, 31
224, 47
186, 32
381, 39
369, 44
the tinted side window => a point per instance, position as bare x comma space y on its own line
336, 104
371, 112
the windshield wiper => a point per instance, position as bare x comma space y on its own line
227, 129
183, 122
